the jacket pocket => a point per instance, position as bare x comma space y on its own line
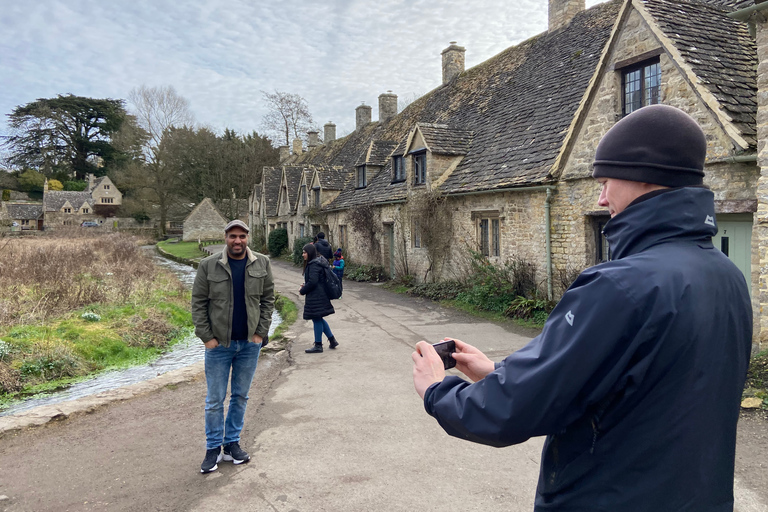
218, 287
569, 456
254, 284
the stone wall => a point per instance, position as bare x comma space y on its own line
760, 231
204, 223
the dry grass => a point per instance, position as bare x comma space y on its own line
48, 276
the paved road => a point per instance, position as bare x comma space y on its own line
342, 431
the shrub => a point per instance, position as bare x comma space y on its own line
6, 194
75, 186
444, 290
278, 242
298, 246
529, 308
374, 273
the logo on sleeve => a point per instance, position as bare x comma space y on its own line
709, 220
569, 318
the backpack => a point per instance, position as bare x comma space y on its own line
332, 283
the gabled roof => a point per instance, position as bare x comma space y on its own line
377, 153
55, 199
444, 140
515, 108
208, 202
24, 211
333, 178
271, 179
720, 52
293, 179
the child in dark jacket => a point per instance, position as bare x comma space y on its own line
338, 265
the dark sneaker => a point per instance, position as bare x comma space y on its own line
333, 342
233, 452
211, 462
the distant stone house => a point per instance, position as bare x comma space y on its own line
204, 222
24, 216
98, 202
509, 143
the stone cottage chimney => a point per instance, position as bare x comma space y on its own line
329, 132
561, 12
387, 106
314, 139
45, 185
285, 152
297, 146
453, 62
362, 116
90, 181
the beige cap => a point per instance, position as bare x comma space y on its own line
237, 224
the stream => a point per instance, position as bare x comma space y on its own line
183, 353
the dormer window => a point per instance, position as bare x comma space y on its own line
67, 210
420, 168
361, 180
398, 168
86, 210
641, 84
316, 198
303, 196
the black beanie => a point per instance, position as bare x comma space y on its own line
656, 144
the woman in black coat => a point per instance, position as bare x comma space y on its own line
317, 304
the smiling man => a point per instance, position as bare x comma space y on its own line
637, 376
232, 302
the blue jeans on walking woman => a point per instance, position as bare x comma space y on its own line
321, 326
241, 357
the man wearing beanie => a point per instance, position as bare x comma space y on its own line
636, 378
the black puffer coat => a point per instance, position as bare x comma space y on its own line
317, 303
324, 249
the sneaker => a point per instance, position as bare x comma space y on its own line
211, 461
233, 452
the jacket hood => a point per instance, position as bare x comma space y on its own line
681, 214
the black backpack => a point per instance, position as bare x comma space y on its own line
332, 283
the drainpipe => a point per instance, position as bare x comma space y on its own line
741, 159
745, 15
548, 232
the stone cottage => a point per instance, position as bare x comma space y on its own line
204, 222
498, 158
98, 202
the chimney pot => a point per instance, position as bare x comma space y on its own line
453, 62
329, 132
362, 116
387, 106
314, 139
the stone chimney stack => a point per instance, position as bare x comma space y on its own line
453, 62
297, 146
387, 106
90, 181
45, 186
314, 139
561, 12
285, 152
362, 116
329, 133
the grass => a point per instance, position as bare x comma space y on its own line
186, 250
289, 313
757, 378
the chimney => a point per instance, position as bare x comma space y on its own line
329, 132
314, 139
90, 181
297, 146
284, 153
387, 106
453, 62
561, 12
45, 186
362, 116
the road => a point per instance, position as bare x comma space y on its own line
342, 430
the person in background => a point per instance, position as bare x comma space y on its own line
323, 247
338, 266
637, 376
317, 305
232, 302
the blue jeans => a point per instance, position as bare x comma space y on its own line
241, 357
321, 326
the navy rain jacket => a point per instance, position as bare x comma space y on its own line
637, 377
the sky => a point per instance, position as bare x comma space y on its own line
221, 55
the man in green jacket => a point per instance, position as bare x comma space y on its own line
232, 302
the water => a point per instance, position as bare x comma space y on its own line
184, 353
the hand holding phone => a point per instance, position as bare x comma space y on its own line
444, 349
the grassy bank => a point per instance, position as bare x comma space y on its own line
70, 307
184, 250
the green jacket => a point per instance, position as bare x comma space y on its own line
212, 302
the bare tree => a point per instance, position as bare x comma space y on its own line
288, 114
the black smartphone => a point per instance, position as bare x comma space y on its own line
444, 350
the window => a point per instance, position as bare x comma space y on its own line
343, 236
398, 168
416, 234
106, 187
106, 200
301, 231
419, 168
316, 199
67, 210
291, 226
285, 194
85, 210
303, 195
641, 85
489, 234
361, 179
602, 250
25, 222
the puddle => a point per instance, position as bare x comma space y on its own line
184, 353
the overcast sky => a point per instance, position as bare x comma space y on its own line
221, 54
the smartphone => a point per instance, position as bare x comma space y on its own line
444, 350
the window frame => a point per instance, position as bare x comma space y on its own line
488, 234
398, 168
304, 195
361, 177
416, 234
316, 196
647, 94
420, 172
343, 236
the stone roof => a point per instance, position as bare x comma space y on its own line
719, 50
96, 183
206, 202
443, 140
271, 179
515, 108
24, 211
377, 153
54, 200
333, 178
293, 180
